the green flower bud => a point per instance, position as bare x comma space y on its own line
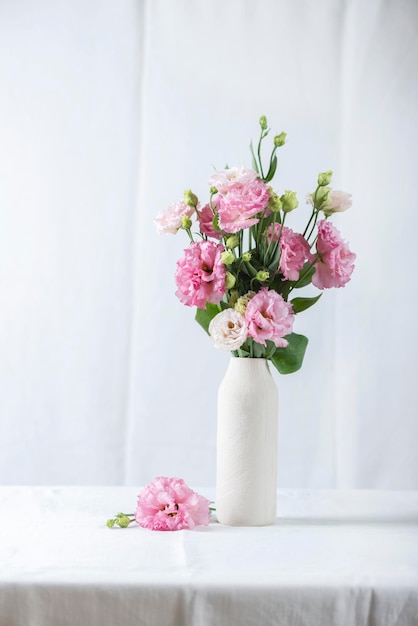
213, 190
247, 256
122, 520
232, 242
263, 122
262, 276
227, 257
321, 197
230, 280
324, 178
110, 523
289, 201
186, 222
280, 140
274, 203
190, 199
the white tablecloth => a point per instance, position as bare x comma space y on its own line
348, 558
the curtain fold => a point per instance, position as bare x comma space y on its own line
108, 112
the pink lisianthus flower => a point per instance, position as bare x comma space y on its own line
238, 207
200, 275
169, 504
224, 180
335, 261
295, 250
169, 221
205, 216
269, 316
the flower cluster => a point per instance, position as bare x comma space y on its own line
166, 504
245, 263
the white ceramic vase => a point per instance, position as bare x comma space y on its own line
246, 482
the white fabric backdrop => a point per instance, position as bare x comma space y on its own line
108, 111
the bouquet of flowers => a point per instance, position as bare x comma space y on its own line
243, 264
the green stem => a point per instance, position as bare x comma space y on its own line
313, 227
314, 212
262, 135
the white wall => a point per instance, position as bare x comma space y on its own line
108, 111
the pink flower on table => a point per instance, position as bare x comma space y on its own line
295, 250
169, 504
238, 207
205, 217
169, 221
224, 180
270, 317
335, 261
200, 275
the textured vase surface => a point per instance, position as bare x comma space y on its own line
246, 482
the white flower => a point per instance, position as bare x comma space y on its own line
224, 180
228, 330
170, 220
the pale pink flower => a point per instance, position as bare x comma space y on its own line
335, 261
169, 504
339, 201
205, 216
224, 180
169, 220
228, 330
200, 275
270, 317
238, 207
295, 250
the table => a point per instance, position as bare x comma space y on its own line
333, 557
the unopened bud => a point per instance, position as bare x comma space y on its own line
186, 222
190, 198
321, 197
263, 122
324, 178
227, 257
123, 520
230, 280
247, 256
289, 201
110, 523
262, 276
213, 190
232, 242
280, 140
274, 203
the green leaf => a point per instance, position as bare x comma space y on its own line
305, 274
258, 350
255, 166
272, 169
288, 360
251, 271
272, 266
205, 316
215, 222
301, 304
